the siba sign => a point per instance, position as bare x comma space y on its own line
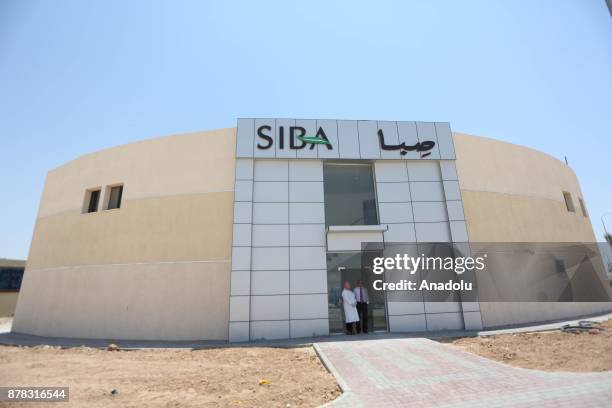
295, 134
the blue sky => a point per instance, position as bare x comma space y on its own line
79, 76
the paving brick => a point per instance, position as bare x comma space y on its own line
425, 373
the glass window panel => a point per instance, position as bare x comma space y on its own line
94, 198
115, 197
350, 198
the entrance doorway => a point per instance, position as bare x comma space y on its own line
347, 266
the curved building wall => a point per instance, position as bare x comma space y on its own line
515, 194
156, 268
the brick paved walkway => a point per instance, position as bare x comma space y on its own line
425, 373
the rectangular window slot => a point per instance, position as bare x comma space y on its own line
582, 207
350, 194
114, 199
568, 202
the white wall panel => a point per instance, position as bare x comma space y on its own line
391, 137
451, 190
403, 308
455, 210
426, 191
309, 328
243, 212
305, 170
432, 232
348, 139
390, 171
306, 191
241, 258
240, 283
423, 171
307, 234
310, 126
239, 308
241, 235
427, 132
270, 191
331, 131
368, 139
428, 211
444, 321
257, 141
238, 331
395, 212
282, 145
445, 140
244, 169
270, 307
308, 258
269, 283
270, 330
448, 169
472, 320
244, 137
308, 281
407, 132
271, 170
243, 190
459, 231
308, 306
270, 213
276, 235
270, 259
393, 192
400, 233
407, 323
306, 213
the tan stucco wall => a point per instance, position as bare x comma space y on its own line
158, 267
8, 301
515, 194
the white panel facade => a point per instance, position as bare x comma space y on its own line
306, 170
245, 132
348, 139
330, 127
259, 143
426, 132
407, 133
283, 142
369, 147
391, 137
280, 241
309, 151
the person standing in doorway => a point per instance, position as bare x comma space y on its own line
349, 303
363, 300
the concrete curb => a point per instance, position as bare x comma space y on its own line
332, 370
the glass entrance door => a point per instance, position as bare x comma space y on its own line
347, 266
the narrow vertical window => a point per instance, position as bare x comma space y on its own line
568, 202
114, 200
582, 207
94, 200
350, 196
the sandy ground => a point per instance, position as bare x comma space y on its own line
549, 351
173, 378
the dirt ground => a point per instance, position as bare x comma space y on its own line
549, 351
171, 378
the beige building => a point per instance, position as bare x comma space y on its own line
233, 234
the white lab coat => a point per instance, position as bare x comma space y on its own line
350, 306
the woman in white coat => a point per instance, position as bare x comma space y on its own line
349, 303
